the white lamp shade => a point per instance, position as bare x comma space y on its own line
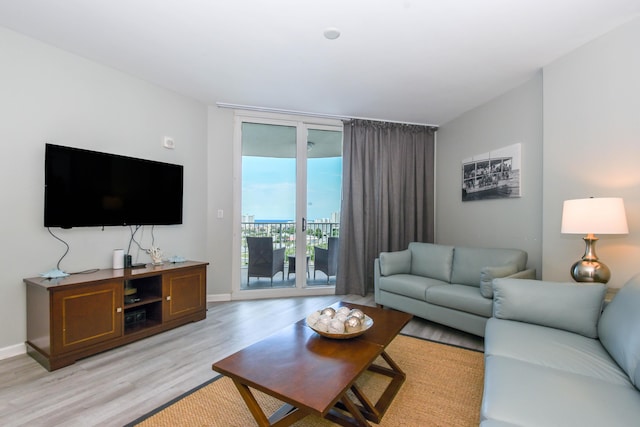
594, 216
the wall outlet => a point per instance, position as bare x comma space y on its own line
220, 213
169, 143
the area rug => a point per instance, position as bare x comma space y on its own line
443, 388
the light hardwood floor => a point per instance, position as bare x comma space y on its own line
117, 386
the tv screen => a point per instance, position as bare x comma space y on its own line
87, 188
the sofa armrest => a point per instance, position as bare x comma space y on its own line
524, 274
508, 271
376, 280
487, 274
572, 307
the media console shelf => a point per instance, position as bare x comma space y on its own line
83, 314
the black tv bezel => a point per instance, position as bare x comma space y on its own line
128, 166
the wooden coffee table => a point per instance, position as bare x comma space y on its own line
313, 374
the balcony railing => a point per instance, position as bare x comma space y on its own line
284, 234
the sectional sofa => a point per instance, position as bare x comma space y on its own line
445, 284
552, 358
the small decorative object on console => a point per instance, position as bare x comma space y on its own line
54, 274
156, 255
342, 323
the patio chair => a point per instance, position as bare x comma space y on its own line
264, 261
326, 260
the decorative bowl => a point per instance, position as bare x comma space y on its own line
366, 324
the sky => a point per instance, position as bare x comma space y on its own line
268, 187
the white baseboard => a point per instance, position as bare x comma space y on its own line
218, 297
12, 350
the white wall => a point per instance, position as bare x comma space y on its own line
592, 147
515, 117
220, 196
49, 95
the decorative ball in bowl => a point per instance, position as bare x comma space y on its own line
342, 323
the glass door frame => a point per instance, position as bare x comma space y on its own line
302, 125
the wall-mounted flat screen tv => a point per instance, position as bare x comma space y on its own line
85, 188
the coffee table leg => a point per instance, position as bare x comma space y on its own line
283, 417
368, 408
375, 412
357, 419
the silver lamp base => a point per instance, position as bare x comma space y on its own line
589, 268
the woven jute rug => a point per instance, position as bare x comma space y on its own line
443, 388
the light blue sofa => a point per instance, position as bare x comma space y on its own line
551, 359
445, 284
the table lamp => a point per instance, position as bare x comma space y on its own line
593, 216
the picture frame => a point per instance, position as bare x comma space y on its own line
493, 175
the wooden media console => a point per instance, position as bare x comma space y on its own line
83, 314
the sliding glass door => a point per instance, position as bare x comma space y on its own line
268, 204
290, 195
324, 195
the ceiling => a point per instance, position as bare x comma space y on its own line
416, 61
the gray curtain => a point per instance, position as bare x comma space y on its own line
388, 196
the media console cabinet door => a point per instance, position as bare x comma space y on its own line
86, 314
184, 293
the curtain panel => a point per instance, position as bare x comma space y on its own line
388, 196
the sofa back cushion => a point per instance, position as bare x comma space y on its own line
430, 260
619, 329
398, 262
469, 262
571, 307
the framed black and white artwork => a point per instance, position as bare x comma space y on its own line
493, 175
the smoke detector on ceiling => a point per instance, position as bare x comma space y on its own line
331, 33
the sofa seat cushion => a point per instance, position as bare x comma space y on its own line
527, 394
408, 285
552, 348
461, 298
